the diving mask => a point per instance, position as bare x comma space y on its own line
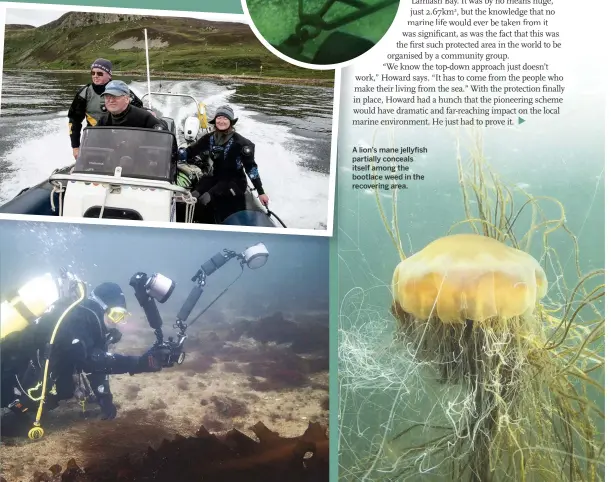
117, 314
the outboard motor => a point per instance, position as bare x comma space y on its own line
191, 128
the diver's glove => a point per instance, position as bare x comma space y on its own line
114, 336
203, 163
153, 360
202, 198
108, 408
221, 188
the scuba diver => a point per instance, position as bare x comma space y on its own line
88, 103
65, 351
229, 156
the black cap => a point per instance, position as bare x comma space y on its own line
110, 294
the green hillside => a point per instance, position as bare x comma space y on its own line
186, 46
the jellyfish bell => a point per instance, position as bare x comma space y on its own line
468, 277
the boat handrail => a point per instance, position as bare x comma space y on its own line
172, 95
123, 181
201, 114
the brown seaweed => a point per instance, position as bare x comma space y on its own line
233, 457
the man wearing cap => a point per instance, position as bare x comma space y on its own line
88, 103
120, 111
233, 157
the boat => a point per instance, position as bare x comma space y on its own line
128, 173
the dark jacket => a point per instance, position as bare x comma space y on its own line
230, 159
88, 104
133, 117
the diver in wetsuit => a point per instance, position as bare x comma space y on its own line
81, 346
232, 157
88, 103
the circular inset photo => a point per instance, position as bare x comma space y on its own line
322, 34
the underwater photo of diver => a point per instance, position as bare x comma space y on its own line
322, 32
216, 348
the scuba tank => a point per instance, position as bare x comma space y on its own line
28, 303
34, 298
24, 309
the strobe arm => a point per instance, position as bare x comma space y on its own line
189, 304
206, 269
218, 260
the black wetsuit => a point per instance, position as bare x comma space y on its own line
81, 345
233, 157
88, 104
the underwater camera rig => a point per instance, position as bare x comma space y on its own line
333, 50
159, 288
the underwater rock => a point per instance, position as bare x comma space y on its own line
304, 337
229, 407
237, 330
235, 457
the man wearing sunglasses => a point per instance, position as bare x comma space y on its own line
81, 345
88, 104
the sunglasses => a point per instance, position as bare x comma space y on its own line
97, 74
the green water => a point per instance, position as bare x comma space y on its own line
277, 19
559, 159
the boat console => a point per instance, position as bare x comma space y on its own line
123, 173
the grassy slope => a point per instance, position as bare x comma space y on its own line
195, 46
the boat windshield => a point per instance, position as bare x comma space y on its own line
141, 153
